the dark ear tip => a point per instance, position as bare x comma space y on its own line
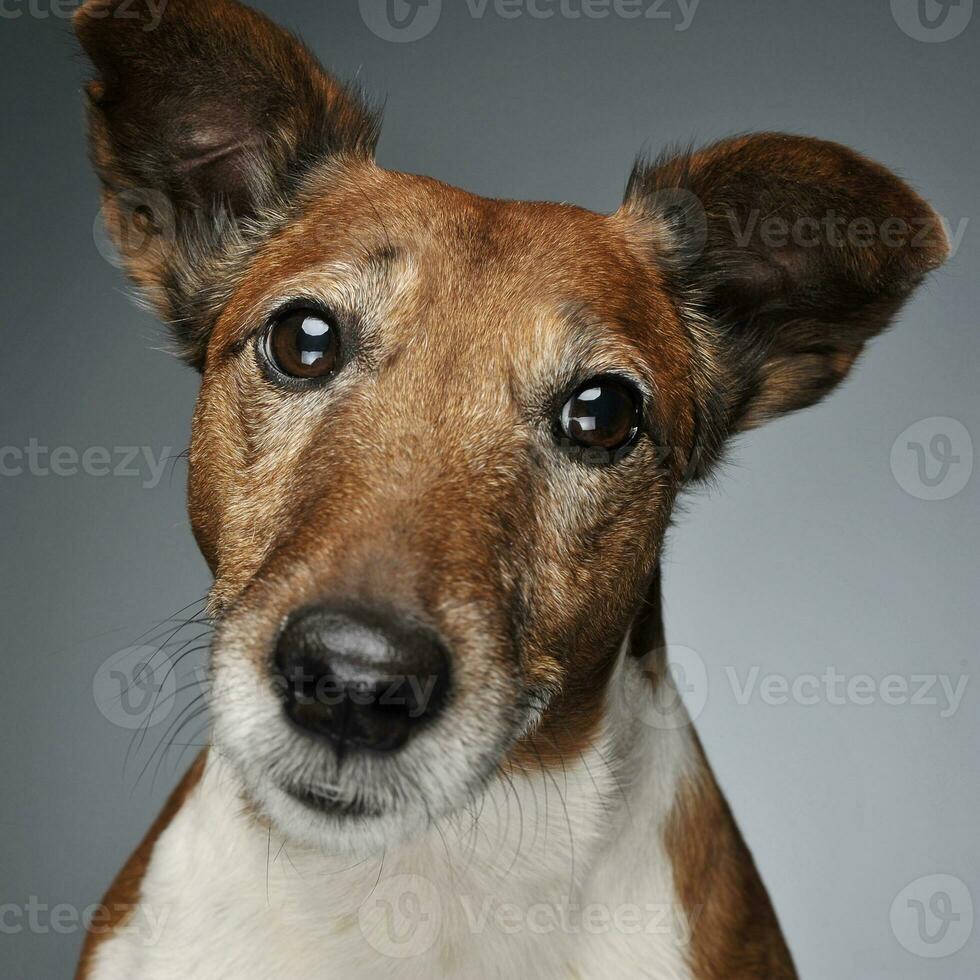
82, 23
88, 23
937, 246
87, 18
926, 245
97, 22
87, 10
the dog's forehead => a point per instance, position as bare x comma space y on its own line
537, 282
490, 246
452, 227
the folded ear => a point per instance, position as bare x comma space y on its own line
204, 119
786, 254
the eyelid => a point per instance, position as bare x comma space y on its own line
263, 321
644, 396
294, 305
340, 303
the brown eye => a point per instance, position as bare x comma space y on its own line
603, 415
303, 344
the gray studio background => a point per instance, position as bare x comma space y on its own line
816, 551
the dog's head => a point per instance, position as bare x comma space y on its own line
439, 437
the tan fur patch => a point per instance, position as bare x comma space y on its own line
735, 932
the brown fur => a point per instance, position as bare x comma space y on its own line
458, 544
735, 934
788, 254
189, 184
427, 473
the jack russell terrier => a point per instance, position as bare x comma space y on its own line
434, 457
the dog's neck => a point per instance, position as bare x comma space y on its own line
545, 859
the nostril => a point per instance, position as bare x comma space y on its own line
361, 677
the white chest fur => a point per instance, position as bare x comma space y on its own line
556, 874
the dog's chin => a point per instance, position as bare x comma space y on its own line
358, 827
360, 816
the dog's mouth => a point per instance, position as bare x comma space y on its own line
318, 760
331, 804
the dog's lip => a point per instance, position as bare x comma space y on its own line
329, 805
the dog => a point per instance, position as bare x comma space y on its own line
434, 457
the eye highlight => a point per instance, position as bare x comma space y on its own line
601, 419
302, 343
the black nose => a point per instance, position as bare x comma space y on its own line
361, 677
